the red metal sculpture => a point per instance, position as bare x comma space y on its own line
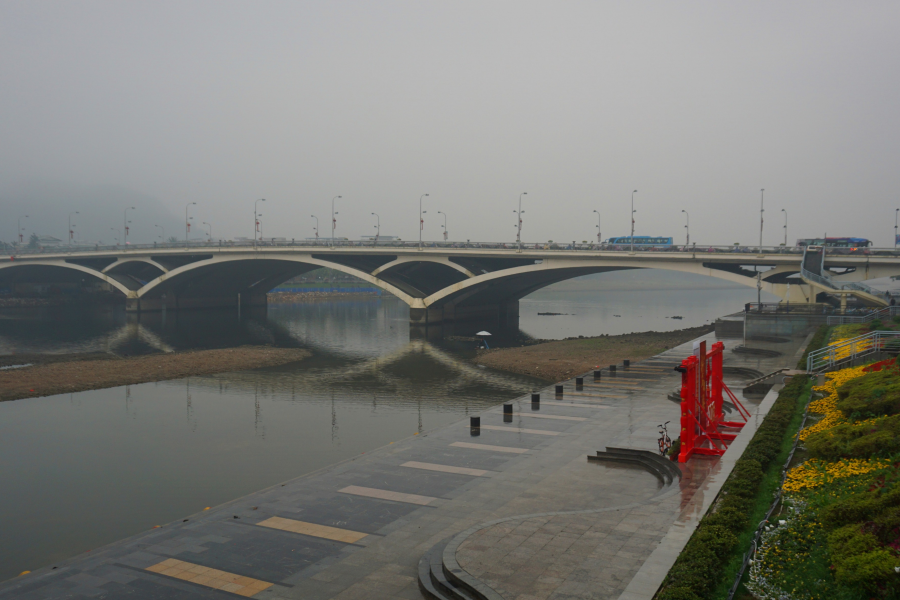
701, 404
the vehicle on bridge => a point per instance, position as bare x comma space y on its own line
640, 241
850, 244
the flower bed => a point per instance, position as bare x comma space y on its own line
838, 536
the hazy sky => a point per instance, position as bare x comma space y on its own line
156, 104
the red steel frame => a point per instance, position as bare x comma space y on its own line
701, 404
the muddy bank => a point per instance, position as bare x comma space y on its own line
52, 374
560, 360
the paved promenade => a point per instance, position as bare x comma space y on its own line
513, 510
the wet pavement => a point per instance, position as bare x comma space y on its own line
519, 511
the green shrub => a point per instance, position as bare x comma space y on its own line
872, 395
875, 325
856, 440
870, 570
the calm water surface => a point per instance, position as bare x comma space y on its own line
86, 469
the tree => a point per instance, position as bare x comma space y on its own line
33, 241
172, 239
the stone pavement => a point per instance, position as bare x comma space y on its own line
499, 500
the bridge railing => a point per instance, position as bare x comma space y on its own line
787, 308
322, 243
848, 350
885, 313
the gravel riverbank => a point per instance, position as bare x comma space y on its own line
563, 359
53, 374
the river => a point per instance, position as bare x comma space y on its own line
83, 470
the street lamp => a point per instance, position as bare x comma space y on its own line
71, 233
519, 224
163, 234
598, 226
256, 220
210, 229
421, 221
316, 228
445, 224
762, 195
19, 228
632, 220
896, 211
187, 222
377, 228
784, 210
125, 225
333, 220
687, 228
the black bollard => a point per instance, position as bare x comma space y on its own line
559, 390
579, 381
612, 368
626, 362
475, 421
507, 417
507, 409
535, 402
535, 397
598, 374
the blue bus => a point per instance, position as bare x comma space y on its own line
643, 241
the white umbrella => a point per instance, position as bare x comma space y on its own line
483, 333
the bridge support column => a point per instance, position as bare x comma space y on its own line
505, 315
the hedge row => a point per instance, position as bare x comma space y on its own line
819, 340
697, 570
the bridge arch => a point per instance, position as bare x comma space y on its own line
11, 269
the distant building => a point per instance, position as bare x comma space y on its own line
381, 238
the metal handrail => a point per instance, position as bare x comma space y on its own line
853, 348
889, 311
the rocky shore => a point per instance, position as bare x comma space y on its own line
59, 374
563, 359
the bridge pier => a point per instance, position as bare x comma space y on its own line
505, 315
171, 302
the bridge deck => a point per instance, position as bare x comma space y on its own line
359, 528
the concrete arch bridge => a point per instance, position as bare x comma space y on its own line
438, 284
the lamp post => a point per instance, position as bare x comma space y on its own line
163, 234
632, 220
210, 229
333, 220
762, 195
896, 212
377, 228
187, 221
445, 224
421, 221
256, 220
316, 228
784, 210
19, 228
598, 226
519, 224
687, 228
71, 233
125, 225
